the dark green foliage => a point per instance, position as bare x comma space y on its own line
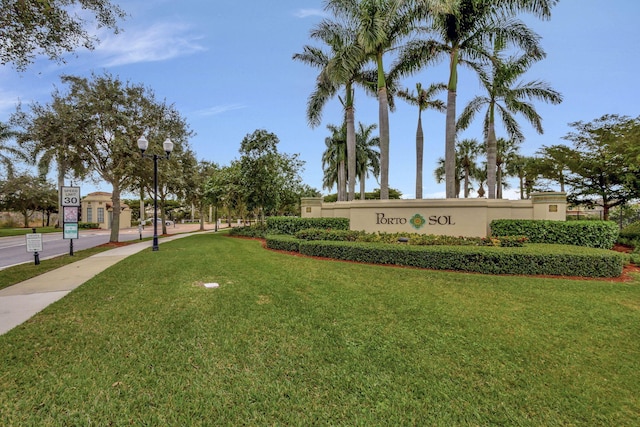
88, 225
631, 231
291, 225
594, 234
282, 243
255, 230
535, 260
324, 234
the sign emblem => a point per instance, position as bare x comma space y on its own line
417, 221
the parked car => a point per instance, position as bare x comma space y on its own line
167, 222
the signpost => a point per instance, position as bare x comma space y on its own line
70, 202
34, 244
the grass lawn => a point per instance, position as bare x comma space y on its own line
290, 340
7, 232
12, 275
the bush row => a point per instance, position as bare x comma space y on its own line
407, 238
594, 234
531, 260
291, 225
88, 225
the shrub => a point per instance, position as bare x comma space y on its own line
282, 242
335, 235
88, 225
631, 232
534, 260
291, 225
595, 234
254, 230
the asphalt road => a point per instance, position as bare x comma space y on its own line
13, 250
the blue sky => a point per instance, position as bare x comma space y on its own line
227, 67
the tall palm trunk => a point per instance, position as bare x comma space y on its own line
342, 185
450, 130
419, 155
363, 176
351, 144
383, 119
491, 158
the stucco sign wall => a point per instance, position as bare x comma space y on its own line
452, 217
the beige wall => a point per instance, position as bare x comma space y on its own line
451, 217
102, 201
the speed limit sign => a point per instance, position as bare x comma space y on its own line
70, 196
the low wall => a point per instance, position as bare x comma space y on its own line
450, 217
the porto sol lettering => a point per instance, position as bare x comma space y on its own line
417, 221
382, 219
441, 220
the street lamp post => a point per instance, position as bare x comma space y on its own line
168, 148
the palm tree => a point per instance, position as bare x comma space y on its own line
333, 160
467, 152
367, 157
523, 168
463, 31
52, 133
506, 153
8, 152
504, 98
480, 175
423, 99
381, 26
341, 67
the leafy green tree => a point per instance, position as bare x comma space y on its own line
50, 27
423, 99
506, 96
26, 194
553, 163
225, 187
199, 192
600, 174
53, 134
117, 114
269, 177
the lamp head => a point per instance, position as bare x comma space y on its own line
168, 146
143, 144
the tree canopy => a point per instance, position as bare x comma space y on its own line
51, 27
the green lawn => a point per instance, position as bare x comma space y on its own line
7, 232
19, 273
289, 340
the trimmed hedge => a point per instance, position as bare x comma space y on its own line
255, 230
560, 260
282, 242
88, 225
594, 234
631, 231
291, 225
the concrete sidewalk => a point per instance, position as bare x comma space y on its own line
21, 301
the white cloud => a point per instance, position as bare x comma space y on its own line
305, 13
160, 42
219, 109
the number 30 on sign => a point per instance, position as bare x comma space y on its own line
70, 196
